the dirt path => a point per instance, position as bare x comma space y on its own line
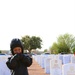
35, 69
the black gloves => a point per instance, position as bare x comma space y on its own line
17, 57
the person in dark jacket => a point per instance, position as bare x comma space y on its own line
18, 62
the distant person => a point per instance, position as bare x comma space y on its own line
18, 62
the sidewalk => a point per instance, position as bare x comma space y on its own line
35, 69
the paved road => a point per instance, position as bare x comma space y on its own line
35, 69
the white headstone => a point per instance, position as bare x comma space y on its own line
47, 65
42, 60
66, 59
55, 67
68, 69
72, 59
4, 70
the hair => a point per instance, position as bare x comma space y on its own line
16, 43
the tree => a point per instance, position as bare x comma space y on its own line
31, 42
74, 50
54, 48
65, 43
26, 42
0, 51
45, 50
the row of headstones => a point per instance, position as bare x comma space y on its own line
54, 66
42, 58
3, 67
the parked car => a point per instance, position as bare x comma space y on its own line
2, 54
46, 53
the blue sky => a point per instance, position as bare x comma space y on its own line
44, 18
